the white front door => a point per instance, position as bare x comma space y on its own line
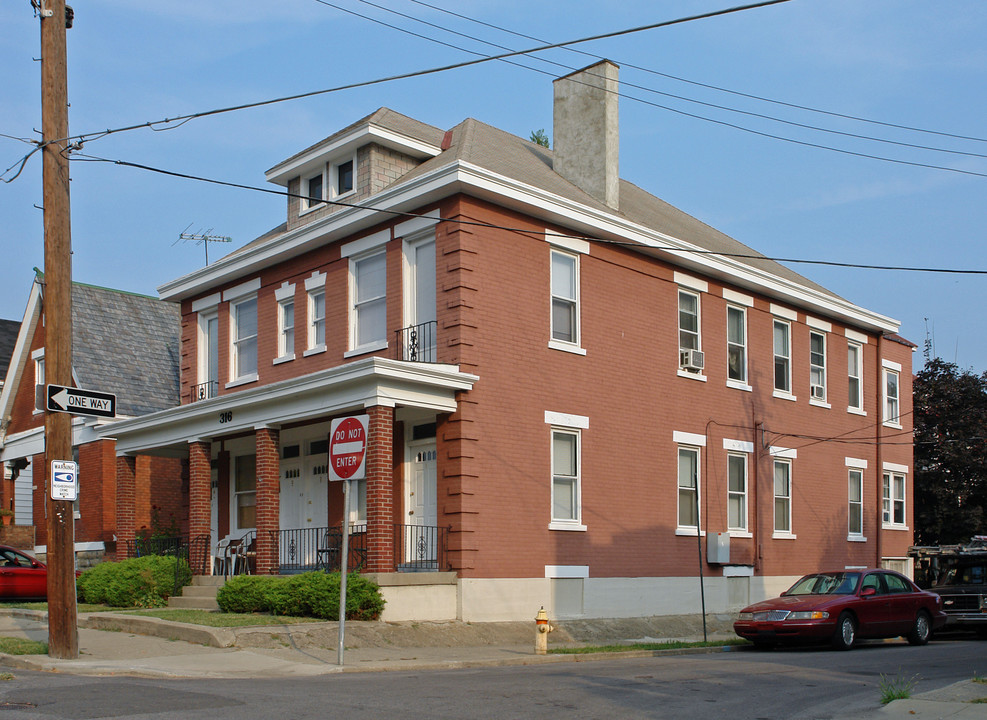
290, 499
420, 503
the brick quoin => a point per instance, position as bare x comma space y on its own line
126, 474
268, 497
200, 495
380, 490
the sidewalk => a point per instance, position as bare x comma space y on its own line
117, 644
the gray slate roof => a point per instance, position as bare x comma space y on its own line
8, 338
128, 345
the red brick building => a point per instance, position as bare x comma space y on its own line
122, 343
567, 381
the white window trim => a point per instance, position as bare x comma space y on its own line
235, 379
332, 185
417, 224
740, 447
778, 392
854, 343
855, 466
575, 524
312, 290
825, 367
893, 469
739, 531
553, 342
782, 534
689, 530
209, 302
38, 358
688, 438
567, 571
885, 372
566, 420
239, 291
285, 353
732, 382
699, 317
688, 281
364, 245
307, 205
568, 244
373, 345
736, 298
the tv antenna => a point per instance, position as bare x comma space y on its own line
202, 238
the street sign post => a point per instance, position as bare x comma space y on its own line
348, 439
80, 402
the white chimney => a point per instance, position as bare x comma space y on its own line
586, 136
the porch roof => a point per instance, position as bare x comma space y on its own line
354, 386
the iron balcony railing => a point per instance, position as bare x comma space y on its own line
419, 548
417, 343
204, 391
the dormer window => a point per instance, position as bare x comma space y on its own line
313, 192
342, 177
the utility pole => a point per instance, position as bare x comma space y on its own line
63, 634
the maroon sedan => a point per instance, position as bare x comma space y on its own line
840, 607
21, 576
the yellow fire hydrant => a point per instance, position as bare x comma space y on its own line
542, 629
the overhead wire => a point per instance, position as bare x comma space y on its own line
80, 157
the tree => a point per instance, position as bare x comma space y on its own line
539, 137
950, 454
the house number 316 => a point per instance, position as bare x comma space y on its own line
226, 417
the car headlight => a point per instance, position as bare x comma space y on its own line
808, 615
745, 616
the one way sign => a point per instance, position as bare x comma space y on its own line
81, 402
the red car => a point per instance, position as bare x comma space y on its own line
840, 607
21, 576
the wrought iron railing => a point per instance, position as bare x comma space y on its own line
417, 343
204, 391
420, 547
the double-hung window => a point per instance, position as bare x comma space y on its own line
817, 366
736, 344
244, 343
855, 376
286, 328
893, 510
315, 312
689, 337
783, 356
313, 191
855, 503
369, 295
783, 496
565, 476
342, 177
737, 492
688, 488
892, 406
565, 297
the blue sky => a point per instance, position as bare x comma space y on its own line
905, 62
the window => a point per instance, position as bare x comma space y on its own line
244, 317
286, 328
39, 377
688, 321
855, 503
245, 491
783, 496
342, 178
369, 319
855, 376
891, 407
688, 482
317, 319
894, 499
565, 476
817, 366
313, 192
783, 356
208, 357
565, 297
736, 344
736, 492
358, 502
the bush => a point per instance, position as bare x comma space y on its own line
312, 594
136, 582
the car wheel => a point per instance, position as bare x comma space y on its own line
846, 632
922, 631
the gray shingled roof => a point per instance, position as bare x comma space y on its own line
501, 152
128, 345
8, 338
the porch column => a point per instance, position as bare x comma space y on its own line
199, 494
268, 499
380, 490
125, 500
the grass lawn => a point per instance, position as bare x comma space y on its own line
219, 619
22, 646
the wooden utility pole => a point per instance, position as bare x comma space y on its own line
63, 634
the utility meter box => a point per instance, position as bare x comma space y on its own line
718, 548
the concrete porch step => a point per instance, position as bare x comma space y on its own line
200, 595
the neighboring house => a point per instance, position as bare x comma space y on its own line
567, 381
123, 344
8, 336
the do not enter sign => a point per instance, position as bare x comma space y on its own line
348, 448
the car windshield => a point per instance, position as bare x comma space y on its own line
841, 583
968, 575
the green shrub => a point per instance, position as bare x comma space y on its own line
312, 594
136, 582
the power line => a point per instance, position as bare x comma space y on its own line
708, 86
589, 238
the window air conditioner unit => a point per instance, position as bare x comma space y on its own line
691, 359
818, 392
